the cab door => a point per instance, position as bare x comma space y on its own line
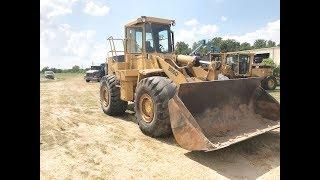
135, 45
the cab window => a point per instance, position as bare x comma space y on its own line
158, 38
149, 39
134, 36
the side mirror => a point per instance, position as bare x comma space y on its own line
172, 40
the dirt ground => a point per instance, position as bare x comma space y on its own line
78, 141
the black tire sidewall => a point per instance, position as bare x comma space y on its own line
142, 123
160, 93
103, 84
271, 78
116, 106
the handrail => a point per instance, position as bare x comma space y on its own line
113, 50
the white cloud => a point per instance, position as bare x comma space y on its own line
192, 22
188, 36
60, 45
99, 53
223, 18
52, 8
63, 47
78, 43
44, 52
94, 9
196, 33
208, 29
270, 32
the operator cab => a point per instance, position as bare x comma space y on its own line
240, 63
149, 35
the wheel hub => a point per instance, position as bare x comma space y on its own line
146, 108
270, 83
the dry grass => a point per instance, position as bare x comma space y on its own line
78, 141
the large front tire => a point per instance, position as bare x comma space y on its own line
111, 103
151, 105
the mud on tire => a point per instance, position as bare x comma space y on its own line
161, 90
111, 105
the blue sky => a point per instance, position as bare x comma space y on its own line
75, 31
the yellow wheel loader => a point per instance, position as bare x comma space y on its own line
241, 64
174, 94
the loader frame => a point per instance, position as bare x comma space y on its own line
172, 93
130, 67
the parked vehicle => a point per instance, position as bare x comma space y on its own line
95, 73
49, 74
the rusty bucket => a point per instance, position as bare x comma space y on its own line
211, 115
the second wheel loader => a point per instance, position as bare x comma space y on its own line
174, 94
241, 64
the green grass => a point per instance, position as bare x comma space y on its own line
275, 93
59, 77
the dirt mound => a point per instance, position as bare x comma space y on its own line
223, 124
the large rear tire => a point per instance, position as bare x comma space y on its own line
111, 103
270, 83
151, 105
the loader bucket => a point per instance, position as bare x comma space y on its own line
214, 114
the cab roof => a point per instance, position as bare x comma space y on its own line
144, 19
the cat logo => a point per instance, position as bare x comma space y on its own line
173, 71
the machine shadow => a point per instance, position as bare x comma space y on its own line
248, 159
129, 114
130, 117
251, 147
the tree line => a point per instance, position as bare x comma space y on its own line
74, 69
215, 44
220, 45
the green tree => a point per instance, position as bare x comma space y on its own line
271, 44
245, 46
230, 45
276, 71
45, 69
75, 69
274, 66
269, 62
203, 50
259, 43
278, 45
182, 48
215, 43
